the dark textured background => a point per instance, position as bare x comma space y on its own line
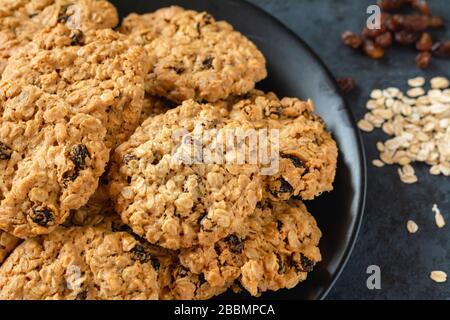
405, 260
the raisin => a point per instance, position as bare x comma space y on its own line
395, 23
384, 40
236, 243
78, 155
281, 265
442, 48
156, 158
423, 60
139, 253
285, 187
208, 63
435, 22
352, 40
41, 216
69, 177
373, 50
415, 23
82, 295
279, 225
5, 152
346, 84
373, 33
425, 42
406, 38
77, 38
306, 264
390, 5
295, 160
62, 18
129, 157
178, 69
155, 264
201, 278
217, 250
259, 205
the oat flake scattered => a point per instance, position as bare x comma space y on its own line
416, 82
440, 221
438, 276
412, 227
418, 124
365, 125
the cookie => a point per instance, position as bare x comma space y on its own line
175, 281
307, 152
50, 159
97, 73
275, 249
21, 20
7, 244
169, 196
193, 56
79, 264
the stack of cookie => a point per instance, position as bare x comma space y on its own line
101, 197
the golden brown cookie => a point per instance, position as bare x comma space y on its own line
20, 20
79, 264
307, 152
193, 56
175, 281
50, 159
169, 196
97, 73
275, 249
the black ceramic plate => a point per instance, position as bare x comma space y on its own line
294, 70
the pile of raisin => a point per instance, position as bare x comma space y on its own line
404, 29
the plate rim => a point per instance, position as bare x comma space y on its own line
359, 139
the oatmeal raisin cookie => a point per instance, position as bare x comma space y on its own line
97, 73
170, 196
20, 20
275, 249
79, 264
307, 152
193, 56
50, 159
